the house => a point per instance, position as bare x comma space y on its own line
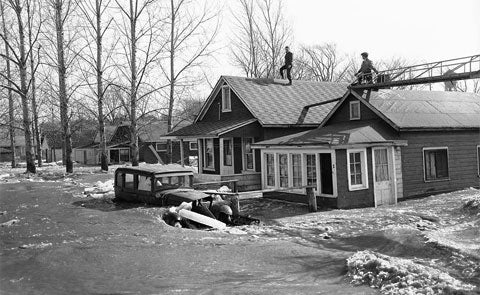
241, 111
152, 147
20, 151
379, 148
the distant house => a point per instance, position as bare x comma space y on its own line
152, 147
375, 150
241, 111
6, 151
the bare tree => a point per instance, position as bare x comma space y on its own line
20, 58
321, 63
11, 118
468, 86
95, 31
139, 26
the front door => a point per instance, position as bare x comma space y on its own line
383, 177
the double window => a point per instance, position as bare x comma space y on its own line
435, 163
357, 169
226, 100
208, 154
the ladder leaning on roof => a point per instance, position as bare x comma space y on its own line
441, 71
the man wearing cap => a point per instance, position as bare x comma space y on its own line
365, 72
288, 65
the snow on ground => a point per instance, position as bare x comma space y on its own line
400, 276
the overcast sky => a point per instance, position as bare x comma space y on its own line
418, 30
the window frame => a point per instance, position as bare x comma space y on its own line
305, 156
353, 103
244, 154
291, 155
227, 147
363, 169
286, 170
274, 173
161, 150
424, 164
204, 160
190, 145
224, 99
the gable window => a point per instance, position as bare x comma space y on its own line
270, 169
161, 147
357, 169
355, 110
208, 154
248, 159
193, 145
435, 163
226, 101
283, 167
297, 170
311, 170
227, 152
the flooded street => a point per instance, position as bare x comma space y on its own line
62, 243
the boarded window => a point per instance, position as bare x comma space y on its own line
227, 152
311, 170
354, 110
381, 165
226, 101
297, 170
283, 169
436, 164
248, 153
208, 163
270, 169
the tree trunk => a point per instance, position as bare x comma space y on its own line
101, 121
63, 88
11, 116
133, 89
24, 95
34, 99
172, 81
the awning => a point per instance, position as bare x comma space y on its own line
208, 129
338, 136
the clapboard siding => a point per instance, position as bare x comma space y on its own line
343, 112
214, 112
462, 161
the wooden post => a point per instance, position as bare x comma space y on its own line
182, 160
312, 200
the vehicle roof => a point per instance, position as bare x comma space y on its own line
155, 170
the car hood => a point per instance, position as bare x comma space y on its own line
183, 194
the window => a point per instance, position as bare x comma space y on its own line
226, 101
248, 153
208, 155
311, 170
435, 163
270, 169
357, 169
119, 180
124, 155
193, 145
128, 181
144, 183
227, 152
381, 165
354, 110
297, 170
283, 167
161, 147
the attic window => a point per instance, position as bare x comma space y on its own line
354, 110
226, 101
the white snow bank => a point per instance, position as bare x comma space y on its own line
472, 204
100, 190
400, 276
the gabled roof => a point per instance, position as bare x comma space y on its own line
271, 102
210, 129
415, 109
338, 135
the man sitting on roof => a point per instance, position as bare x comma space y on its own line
365, 73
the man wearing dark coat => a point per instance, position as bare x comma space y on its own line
288, 65
365, 72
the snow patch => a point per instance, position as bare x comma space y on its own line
400, 276
101, 190
9, 223
471, 204
35, 246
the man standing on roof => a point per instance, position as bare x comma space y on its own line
288, 65
365, 72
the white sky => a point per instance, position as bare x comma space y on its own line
418, 30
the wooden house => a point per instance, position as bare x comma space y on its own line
376, 149
152, 147
241, 111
